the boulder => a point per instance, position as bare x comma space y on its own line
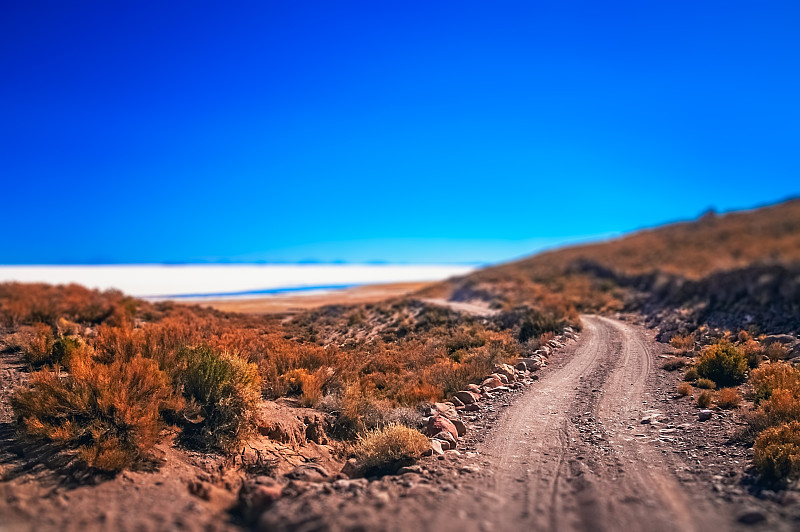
521, 366
472, 408
704, 415
436, 448
447, 410
508, 371
500, 376
531, 364
448, 438
466, 397
438, 424
474, 388
491, 382
457, 402
460, 427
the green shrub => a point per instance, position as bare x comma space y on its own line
107, 416
723, 363
225, 391
64, 348
383, 449
776, 452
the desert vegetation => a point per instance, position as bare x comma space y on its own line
110, 373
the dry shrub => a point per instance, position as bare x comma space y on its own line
728, 398
309, 386
772, 376
723, 363
775, 352
225, 390
704, 399
36, 343
783, 406
682, 342
752, 352
706, 384
691, 375
108, 414
671, 364
776, 451
684, 389
383, 449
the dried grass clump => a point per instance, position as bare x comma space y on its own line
381, 450
723, 363
671, 364
109, 415
36, 343
224, 391
728, 398
691, 375
706, 384
682, 342
776, 452
704, 399
684, 389
770, 377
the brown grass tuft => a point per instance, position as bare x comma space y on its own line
684, 389
383, 449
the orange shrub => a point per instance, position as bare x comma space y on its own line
684, 389
36, 343
783, 406
728, 398
682, 342
776, 451
773, 376
107, 415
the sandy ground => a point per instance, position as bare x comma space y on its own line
296, 302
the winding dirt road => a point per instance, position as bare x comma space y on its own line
572, 454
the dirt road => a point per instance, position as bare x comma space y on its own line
571, 453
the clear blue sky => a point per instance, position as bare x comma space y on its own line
419, 131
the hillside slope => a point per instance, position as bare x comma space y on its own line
737, 269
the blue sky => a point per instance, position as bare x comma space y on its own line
435, 131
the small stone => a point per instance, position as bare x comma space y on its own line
704, 415
751, 517
460, 427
